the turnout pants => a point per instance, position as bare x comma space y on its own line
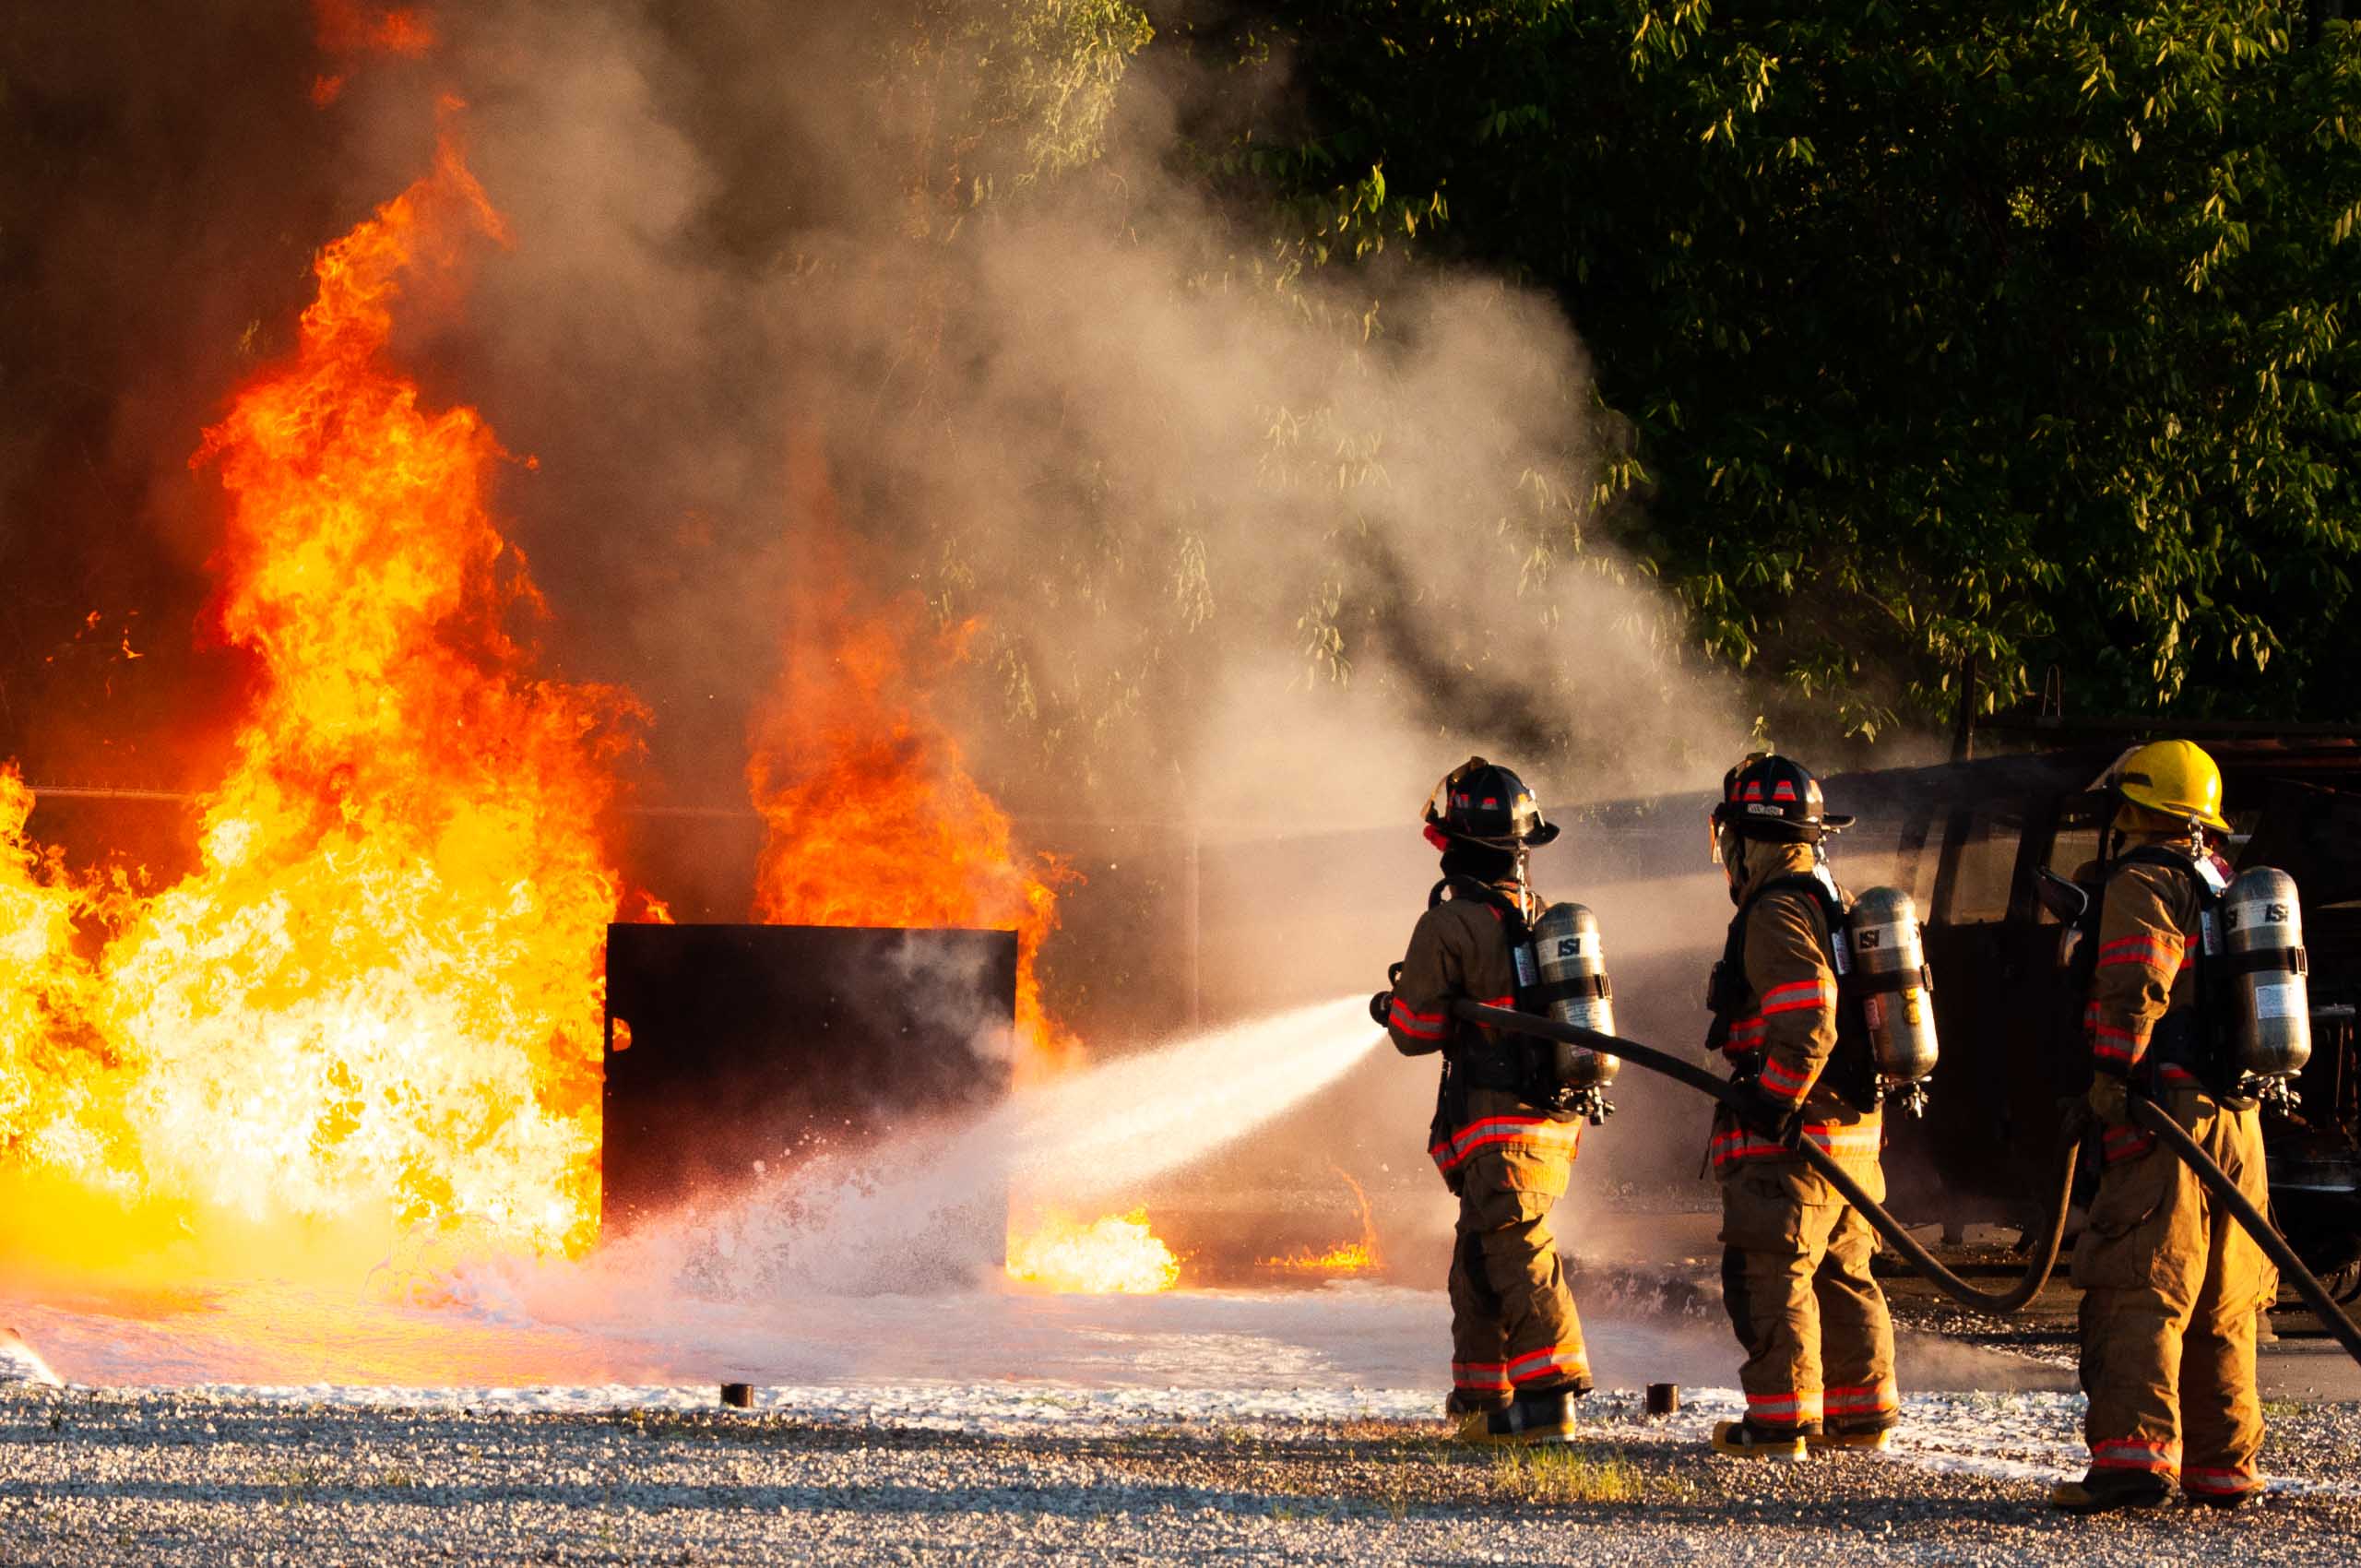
1795, 1279
1514, 1329
2171, 1284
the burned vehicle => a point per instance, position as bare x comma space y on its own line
1972, 842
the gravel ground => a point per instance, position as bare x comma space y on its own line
163, 1476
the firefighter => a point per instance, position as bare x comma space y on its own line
1819, 1368
2171, 1285
1518, 1358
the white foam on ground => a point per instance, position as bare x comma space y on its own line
18, 1363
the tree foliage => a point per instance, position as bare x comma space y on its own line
2020, 331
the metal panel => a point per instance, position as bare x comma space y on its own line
745, 1043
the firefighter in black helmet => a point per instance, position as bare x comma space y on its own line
1819, 1368
1517, 1358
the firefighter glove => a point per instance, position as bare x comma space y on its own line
2110, 1100
1771, 1117
1381, 1007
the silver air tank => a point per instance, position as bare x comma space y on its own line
1896, 991
2270, 1002
1573, 978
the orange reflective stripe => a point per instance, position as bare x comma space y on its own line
2221, 1483
2126, 1143
2165, 952
2134, 1454
1875, 1398
1548, 1361
1799, 996
1784, 1409
1783, 1081
1738, 1144
1479, 1374
1417, 1025
1535, 1130
2121, 1043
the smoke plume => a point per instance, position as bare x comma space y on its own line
1243, 534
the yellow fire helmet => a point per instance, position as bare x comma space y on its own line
2176, 777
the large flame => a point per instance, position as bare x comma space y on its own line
376, 1003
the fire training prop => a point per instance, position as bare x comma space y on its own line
2150, 1115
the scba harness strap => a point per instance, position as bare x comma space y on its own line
2193, 1043
1514, 1064
1851, 1071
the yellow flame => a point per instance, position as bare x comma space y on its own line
1114, 1256
1346, 1257
374, 1004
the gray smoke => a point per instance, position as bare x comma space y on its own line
1240, 535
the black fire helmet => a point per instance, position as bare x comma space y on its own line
1482, 803
1776, 798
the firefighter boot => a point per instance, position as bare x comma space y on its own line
2085, 1497
1870, 1441
1736, 1440
1529, 1418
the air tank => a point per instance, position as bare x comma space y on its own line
1896, 991
2270, 1000
1574, 990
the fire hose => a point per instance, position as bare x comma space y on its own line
2153, 1117
1998, 1304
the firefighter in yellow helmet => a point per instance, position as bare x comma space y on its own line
2170, 1283
1518, 1358
1819, 1368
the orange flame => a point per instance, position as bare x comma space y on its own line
346, 28
1345, 1257
376, 1003
50, 1066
